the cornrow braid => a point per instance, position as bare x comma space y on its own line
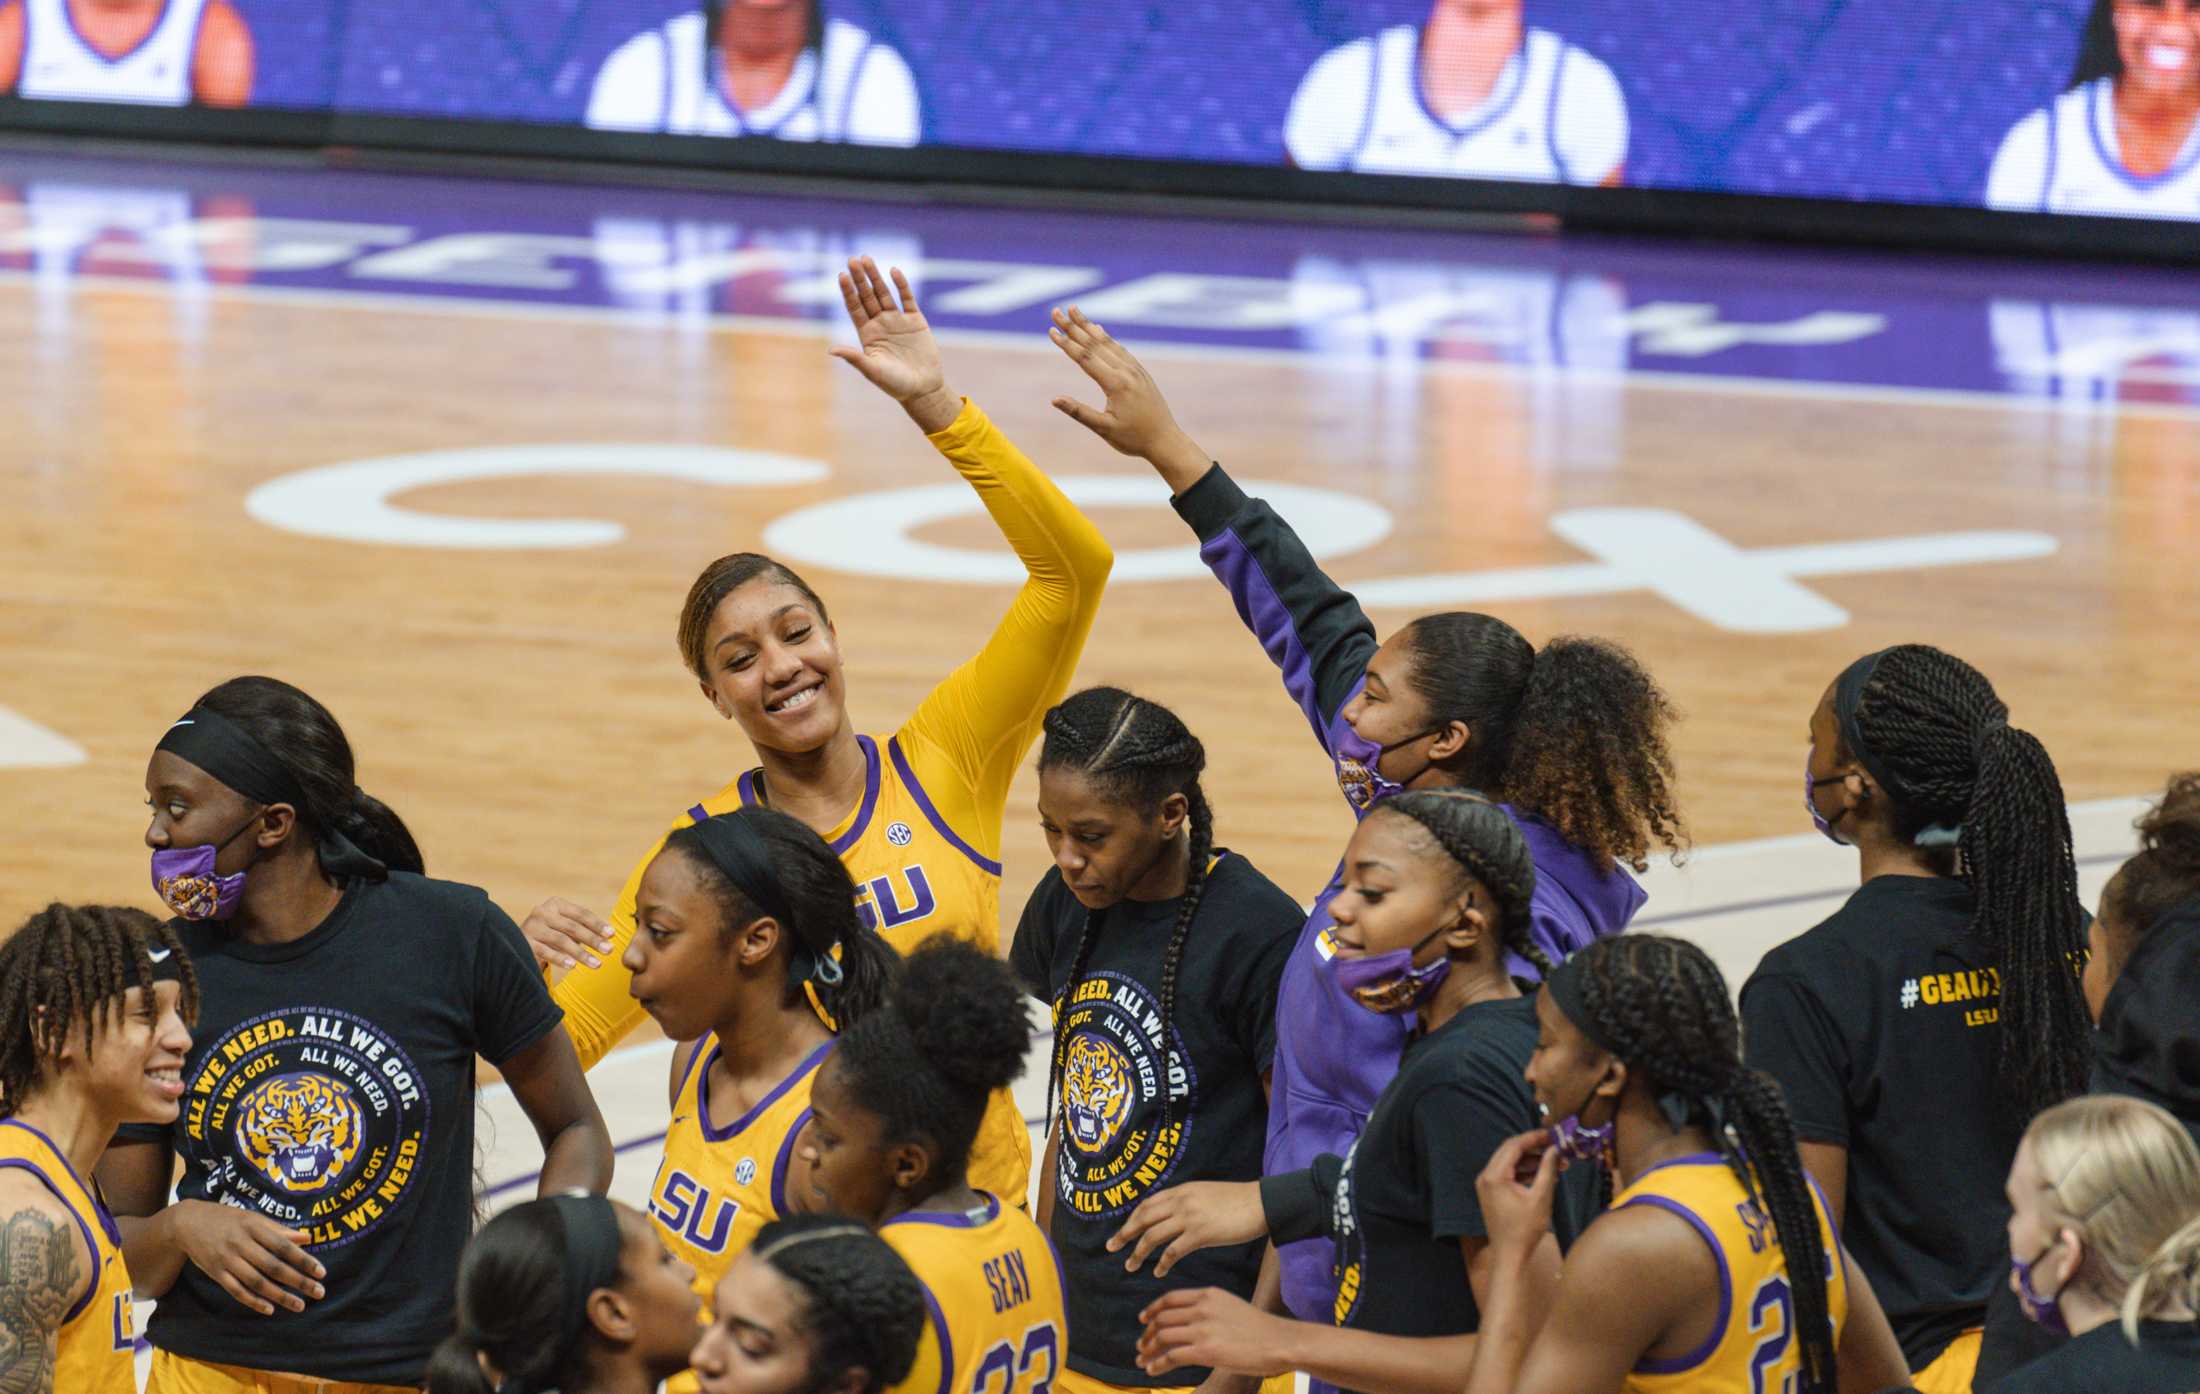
74, 963
1137, 752
1663, 1005
1934, 723
1483, 839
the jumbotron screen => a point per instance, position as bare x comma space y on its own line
2054, 106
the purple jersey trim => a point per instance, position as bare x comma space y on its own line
91, 1245
794, 1077
953, 1219
1703, 1352
932, 815
786, 1151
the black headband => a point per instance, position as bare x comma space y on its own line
228, 752
737, 849
232, 757
1564, 985
166, 960
1848, 696
591, 1258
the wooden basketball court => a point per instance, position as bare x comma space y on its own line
526, 712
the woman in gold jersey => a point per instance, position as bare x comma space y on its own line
1716, 1270
749, 940
893, 1115
915, 814
93, 1006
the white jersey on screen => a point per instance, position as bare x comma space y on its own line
851, 89
2063, 158
1556, 115
59, 65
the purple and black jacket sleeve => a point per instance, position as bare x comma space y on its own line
1313, 629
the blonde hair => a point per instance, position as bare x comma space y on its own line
2125, 1175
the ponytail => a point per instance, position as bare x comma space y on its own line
455, 1369
2171, 1279
1931, 732
377, 831
1663, 1006
513, 1309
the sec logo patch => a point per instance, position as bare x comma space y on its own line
899, 834
744, 1171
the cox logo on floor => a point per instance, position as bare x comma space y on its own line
1753, 590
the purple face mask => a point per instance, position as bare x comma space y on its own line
1388, 982
2045, 1312
185, 880
1576, 1141
1810, 803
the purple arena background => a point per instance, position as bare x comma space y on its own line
1898, 100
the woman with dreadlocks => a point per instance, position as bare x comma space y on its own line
1918, 1029
1159, 953
1436, 896
94, 1006
1570, 738
1716, 1269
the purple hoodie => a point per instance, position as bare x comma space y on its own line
1333, 1056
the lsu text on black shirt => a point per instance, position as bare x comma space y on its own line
330, 1087
1882, 1026
1404, 1197
2166, 1361
1115, 1069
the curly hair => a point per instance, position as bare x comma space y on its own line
953, 1031
1934, 724
2164, 874
1576, 734
1487, 846
1138, 752
864, 1309
76, 963
1663, 1006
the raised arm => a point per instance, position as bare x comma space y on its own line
599, 1010
966, 739
1313, 630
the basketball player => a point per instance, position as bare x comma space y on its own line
774, 68
94, 1003
749, 946
820, 1305
1437, 889
1473, 93
1961, 948
574, 1293
916, 816
1717, 1269
155, 52
1457, 699
1160, 954
2124, 139
327, 1133
893, 1115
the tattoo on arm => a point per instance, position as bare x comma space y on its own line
39, 1274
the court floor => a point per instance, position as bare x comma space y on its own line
447, 454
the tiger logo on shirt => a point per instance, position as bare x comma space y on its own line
1096, 1091
301, 1130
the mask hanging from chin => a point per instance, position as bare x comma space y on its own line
1388, 983
2044, 1312
1576, 1141
185, 880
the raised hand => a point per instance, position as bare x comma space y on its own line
897, 352
1196, 1215
1209, 1327
559, 931
1136, 419
1515, 1191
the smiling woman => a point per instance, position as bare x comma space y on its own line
915, 816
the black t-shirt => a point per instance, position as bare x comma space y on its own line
1405, 1196
1882, 1026
1112, 1157
2166, 1361
330, 1086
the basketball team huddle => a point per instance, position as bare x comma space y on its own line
1457, 1128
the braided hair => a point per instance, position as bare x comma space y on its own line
863, 1308
1488, 846
953, 1032
1936, 726
1137, 753
1663, 1008
2162, 875
74, 963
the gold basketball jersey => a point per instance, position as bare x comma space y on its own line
995, 1320
98, 1336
